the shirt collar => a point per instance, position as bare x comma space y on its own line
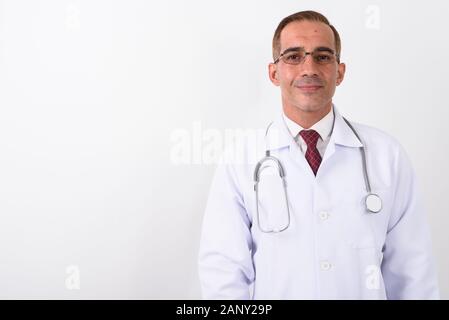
323, 127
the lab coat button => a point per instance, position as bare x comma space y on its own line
325, 265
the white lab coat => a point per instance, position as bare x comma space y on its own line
333, 248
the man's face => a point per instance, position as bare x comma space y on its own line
308, 85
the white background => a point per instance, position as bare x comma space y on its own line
91, 93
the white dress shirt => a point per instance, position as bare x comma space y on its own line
323, 127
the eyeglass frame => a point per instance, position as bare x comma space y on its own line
326, 49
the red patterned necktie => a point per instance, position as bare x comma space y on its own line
313, 157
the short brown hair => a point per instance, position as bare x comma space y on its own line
301, 16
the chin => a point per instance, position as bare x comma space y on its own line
309, 107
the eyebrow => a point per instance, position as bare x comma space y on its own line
302, 48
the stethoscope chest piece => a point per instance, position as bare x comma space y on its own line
373, 203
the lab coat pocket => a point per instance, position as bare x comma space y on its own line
272, 200
362, 244
357, 229
361, 228
362, 250
360, 234
372, 227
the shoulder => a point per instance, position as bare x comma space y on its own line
378, 138
384, 148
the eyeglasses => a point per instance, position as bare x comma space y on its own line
295, 56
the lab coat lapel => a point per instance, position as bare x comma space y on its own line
341, 135
277, 134
279, 137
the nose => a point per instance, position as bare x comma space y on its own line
308, 66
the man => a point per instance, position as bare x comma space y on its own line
327, 240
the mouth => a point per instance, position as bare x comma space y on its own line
309, 88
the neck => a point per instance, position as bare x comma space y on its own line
306, 119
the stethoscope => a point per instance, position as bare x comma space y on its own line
373, 202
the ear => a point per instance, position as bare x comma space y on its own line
341, 73
273, 74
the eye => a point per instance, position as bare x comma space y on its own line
293, 57
323, 57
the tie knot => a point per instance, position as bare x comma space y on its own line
310, 137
